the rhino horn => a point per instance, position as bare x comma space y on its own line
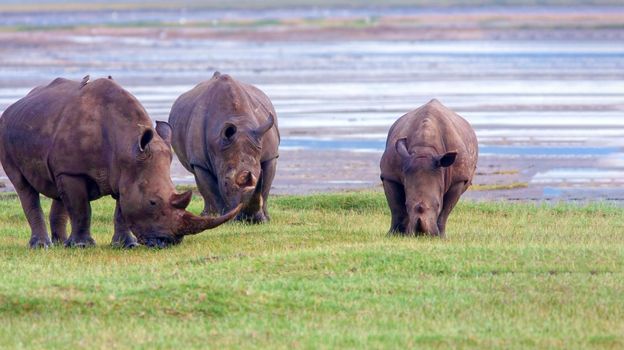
193, 224
182, 200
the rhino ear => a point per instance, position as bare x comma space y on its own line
163, 129
401, 148
446, 160
262, 129
144, 139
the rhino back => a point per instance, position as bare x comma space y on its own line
434, 125
28, 128
71, 128
187, 111
198, 115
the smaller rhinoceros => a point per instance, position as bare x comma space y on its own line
225, 133
430, 159
75, 142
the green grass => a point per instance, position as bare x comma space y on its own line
494, 187
323, 274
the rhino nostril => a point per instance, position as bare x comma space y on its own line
246, 179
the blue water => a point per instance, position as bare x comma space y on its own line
547, 150
379, 146
349, 145
183, 14
529, 99
552, 192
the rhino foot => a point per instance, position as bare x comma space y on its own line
58, 240
40, 242
80, 242
128, 243
256, 218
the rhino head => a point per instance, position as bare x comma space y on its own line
238, 168
148, 201
423, 181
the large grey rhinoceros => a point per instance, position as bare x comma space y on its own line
430, 159
225, 133
78, 141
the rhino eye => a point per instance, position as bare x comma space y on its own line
229, 131
152, 202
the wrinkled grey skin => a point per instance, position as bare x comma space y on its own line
225, 133
75, 142
429, 162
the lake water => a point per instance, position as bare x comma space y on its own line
531, 99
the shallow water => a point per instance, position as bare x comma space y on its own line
184, 15
372, 145
527, 99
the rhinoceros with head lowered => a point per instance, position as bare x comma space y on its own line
225, 133
430, 160
78, 141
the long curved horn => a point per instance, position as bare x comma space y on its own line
266, 126
193, 224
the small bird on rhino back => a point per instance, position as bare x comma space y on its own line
75, 142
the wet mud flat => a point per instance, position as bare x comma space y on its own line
498, 177
547, 104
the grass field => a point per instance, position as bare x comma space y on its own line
323, 274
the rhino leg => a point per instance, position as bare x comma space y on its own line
209, 189
74, 195
31, 204
395, 195
268, 174
58, 221
451, 197
122, 237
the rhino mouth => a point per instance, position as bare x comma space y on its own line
159, 241
424, 228
419, 229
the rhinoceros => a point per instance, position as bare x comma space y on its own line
429, 162
225, 133
75, 142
